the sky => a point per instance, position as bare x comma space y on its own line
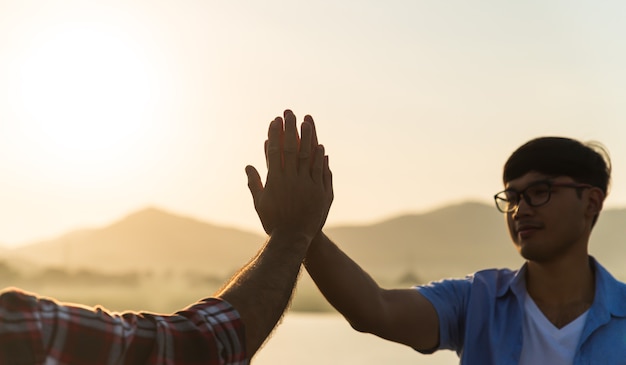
108, 107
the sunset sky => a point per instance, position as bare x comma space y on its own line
107, 107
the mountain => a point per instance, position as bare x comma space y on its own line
451, 241
156, 260
147, 240
608, 241
459, 239
448, 242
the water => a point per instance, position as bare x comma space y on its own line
314, 339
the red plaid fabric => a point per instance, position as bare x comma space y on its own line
36, 330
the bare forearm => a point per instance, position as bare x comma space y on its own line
346, 286
261, 290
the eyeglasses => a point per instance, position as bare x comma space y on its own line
535, 194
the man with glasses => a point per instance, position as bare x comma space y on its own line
560, 307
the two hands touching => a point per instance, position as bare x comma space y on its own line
293, 206
298, 191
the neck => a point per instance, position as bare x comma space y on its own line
569, 281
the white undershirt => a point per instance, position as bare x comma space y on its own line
543, 342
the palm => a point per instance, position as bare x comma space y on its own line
298, 190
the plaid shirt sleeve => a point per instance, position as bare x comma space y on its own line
36, 330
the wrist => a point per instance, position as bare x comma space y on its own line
290, 237
317, 242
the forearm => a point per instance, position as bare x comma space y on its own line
261, 290
346, 286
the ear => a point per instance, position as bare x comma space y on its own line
595, 201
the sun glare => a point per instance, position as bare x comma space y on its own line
83, 91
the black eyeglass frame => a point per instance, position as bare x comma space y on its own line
519, 195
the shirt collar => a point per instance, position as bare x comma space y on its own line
515, 283
610, 294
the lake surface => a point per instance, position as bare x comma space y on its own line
314, 339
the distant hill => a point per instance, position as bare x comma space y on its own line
459, 239
450, 241
191, 258
147, 240
608, 241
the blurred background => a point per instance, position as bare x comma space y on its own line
125, 127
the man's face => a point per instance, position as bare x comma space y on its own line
558, 228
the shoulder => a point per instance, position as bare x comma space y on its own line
490, 282
498, 279
488, 277
15, 300
609, 291
606, 280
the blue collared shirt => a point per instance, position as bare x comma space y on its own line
480, 317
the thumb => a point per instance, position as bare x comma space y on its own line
254, 182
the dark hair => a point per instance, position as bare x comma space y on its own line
587, 163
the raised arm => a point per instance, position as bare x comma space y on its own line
399, 315
294, 203
402, 315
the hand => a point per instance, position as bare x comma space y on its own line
298, 192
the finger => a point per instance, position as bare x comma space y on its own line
317, 170
328, 177
254, 183
328, 189
304, 155
265, 146
309, 119
290, 151
273, 150
314, 143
